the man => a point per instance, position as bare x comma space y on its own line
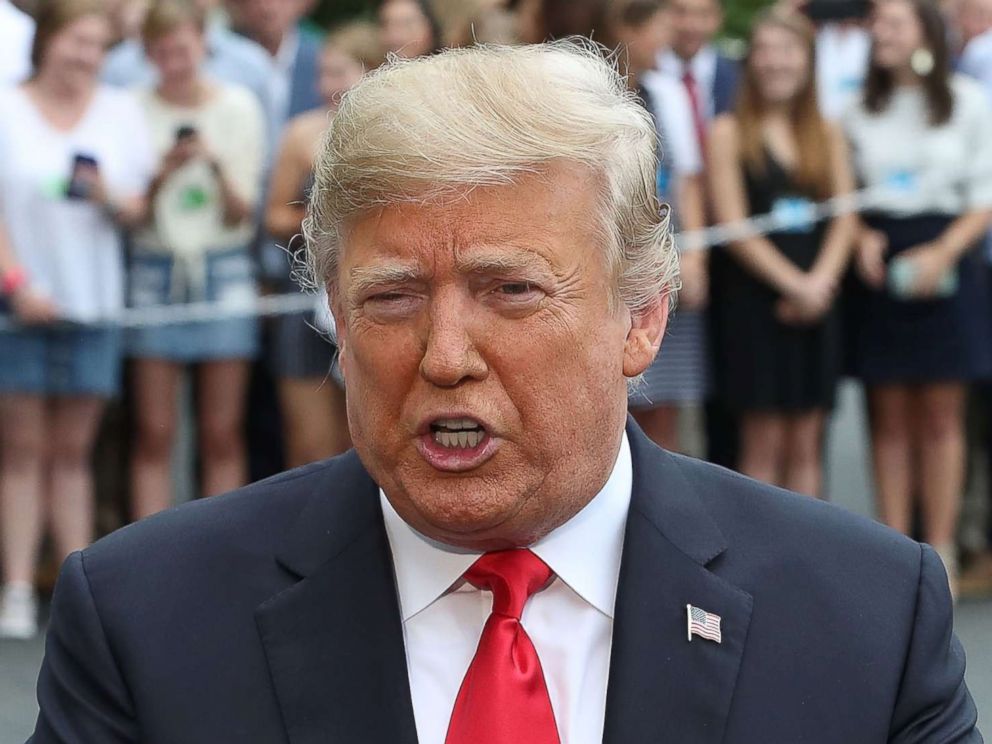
710, 80
497, 276
709, 77
231, 58
640, 28
293, 55
16, 35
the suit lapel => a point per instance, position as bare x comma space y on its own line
334, 640
663, 687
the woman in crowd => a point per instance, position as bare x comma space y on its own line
922, 136
313, 407
780, 359
210, 140
408, 28
74, 163
640, 30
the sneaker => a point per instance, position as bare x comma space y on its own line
18, 612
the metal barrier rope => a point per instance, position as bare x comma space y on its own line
795, 214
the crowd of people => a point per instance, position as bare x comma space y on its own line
160, 153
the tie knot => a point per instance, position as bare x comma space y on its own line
512, 576
688, 78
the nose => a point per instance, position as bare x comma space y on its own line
450, 355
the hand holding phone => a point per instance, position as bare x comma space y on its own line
84, 180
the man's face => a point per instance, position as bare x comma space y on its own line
484, 359
643, 42
694, 24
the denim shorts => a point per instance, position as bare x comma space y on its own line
227, 274
61, 360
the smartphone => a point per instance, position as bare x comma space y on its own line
79, 188
184, 133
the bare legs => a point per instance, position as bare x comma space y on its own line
45, 447
784, 450
316, 419
923, 425
222, 389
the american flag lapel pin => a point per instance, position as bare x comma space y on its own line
703, 624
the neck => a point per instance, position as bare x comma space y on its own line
684, 57
182, 92
778, 112
55, 86
271, 42
904, 77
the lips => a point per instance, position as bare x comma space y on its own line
456, 442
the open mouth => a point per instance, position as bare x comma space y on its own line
461, 433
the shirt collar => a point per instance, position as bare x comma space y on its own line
703, 65
584, 552
285, 58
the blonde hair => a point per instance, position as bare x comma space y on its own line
166, 16
428, 128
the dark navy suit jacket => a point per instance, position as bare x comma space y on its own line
725, 81
271, 615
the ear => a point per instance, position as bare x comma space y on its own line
647, 329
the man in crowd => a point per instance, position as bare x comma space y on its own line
293, 54
710, 80
498, 277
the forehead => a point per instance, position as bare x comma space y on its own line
771, 35
554, 214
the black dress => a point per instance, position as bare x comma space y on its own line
763, 364
901, 341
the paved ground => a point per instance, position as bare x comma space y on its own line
848, 481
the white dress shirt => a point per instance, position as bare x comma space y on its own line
673, 115
842, 52
16, 37
703, 68
570, 622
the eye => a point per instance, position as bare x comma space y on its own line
515, 288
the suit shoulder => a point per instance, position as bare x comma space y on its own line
800, 528
254, 515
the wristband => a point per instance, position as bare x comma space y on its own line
13, 280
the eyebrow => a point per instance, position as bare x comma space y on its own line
502, 263
364, 278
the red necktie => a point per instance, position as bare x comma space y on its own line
503, 698
689, 81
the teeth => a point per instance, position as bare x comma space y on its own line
461, 439
457, 424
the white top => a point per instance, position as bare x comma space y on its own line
976, 59
841, 64
673, 114
70, 249
16, 36
188, 214
570, 622
703, 68
918, 168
